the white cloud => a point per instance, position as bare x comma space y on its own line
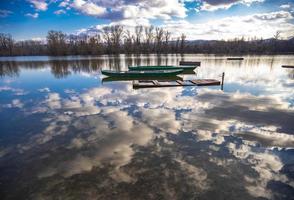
236, 26
53, 101
64, 3
46, 89
15, 103
285, 6
59, 12
165, 119
213, 5
88, 8
247, 26
39, 4
120, 10
36, 15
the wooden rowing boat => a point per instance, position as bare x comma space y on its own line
191, 63
113, 79
235, 58
138, 74
288, 66
160, 67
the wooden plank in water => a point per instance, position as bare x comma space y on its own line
204, 82
155, 82
235, 58
196, 63
288, 66
180, 82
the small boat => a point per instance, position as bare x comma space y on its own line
191, 63
235, 58
113, 79
147, 73
288, 66
160, 67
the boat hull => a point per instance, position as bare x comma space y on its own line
138, 68
113, 79
139, 74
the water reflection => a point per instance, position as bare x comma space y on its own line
112, 142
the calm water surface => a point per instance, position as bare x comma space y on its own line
67, 134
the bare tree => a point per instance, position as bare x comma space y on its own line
138, 38
183, 38
277, 35
128, 41
6, 44
95, 44
166, 36
107, 38
149, 35
159, 38
56, 43
116, 37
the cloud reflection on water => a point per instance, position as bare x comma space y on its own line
211, 116
213, 142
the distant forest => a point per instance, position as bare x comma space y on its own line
144, 40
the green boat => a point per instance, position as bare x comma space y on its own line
139, 74
113, 79
160, 67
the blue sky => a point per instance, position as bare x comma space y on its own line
209, 19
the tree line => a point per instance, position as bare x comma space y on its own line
117, 40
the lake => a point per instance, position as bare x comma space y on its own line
68, 133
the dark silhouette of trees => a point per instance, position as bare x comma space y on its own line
56, 41
116, 40
6, 44
149, 35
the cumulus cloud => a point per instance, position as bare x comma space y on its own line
247, 26
53, 101
64, 3
165, 119
40, 5
213, 5
121, 10
237, 26
88, 7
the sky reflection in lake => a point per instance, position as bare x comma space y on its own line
65, 134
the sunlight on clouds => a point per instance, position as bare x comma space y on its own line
213, 5
247, 26
88, 7
120, 10
236, 26
39, 4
